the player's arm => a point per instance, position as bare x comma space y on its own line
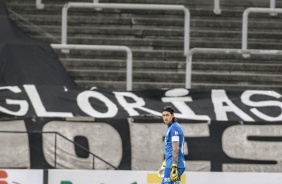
175, 150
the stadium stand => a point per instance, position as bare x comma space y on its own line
156, 40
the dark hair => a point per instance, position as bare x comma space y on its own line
168, 109
171, 110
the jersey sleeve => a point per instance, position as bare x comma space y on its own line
174, 133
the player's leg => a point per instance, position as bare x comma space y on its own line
166, 178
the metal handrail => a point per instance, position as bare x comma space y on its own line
221, 51
245, 21
104, 47
217, 9
129, 6
56, 133
40, 5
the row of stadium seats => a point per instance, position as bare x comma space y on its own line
156, 40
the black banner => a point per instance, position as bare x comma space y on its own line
224, 130
203, 105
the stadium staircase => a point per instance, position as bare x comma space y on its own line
156, 40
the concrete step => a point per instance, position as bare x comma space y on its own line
114, 64
237, 86
177, 66
138, 54
234, 39
117, 75
152, 20
121, 85
204, 77
236, 67
214, 75
145, 32
237, 58
237, 77
197, 9
173, 44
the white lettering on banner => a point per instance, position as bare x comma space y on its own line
138, 103
135, 105
179, 103
249, 93
104, 141
235, 144
85, 105
39, 107
23, 105
219, 97
14, 146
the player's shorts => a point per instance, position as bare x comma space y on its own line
166, 179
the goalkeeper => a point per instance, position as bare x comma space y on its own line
174, 163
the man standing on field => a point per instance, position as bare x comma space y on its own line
174, 164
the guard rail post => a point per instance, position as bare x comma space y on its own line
245, 22
39, 4
221, 51
217, 9
104, 47
129, 6
273, 6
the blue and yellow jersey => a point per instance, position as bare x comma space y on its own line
174, 134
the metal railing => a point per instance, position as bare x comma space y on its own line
55, 145
221, 51
188, 53
129, 6
245, 21
40, 5
104, 48
217, 9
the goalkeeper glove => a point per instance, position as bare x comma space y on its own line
174, 173
161, 170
